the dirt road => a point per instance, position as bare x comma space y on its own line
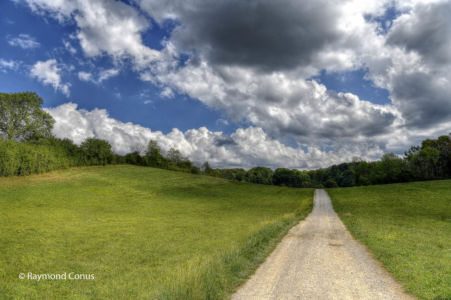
319, 259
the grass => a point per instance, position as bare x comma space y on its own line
407, 227
144, 233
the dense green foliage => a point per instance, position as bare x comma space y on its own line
21, 117
47, 154
98, 152
407, 226
144, 233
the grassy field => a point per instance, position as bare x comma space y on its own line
143, 233
407, 227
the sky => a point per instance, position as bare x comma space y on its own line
290, 83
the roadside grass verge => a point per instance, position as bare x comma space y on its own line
218, 277
144, 233
407, 227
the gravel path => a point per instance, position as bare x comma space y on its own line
319, 259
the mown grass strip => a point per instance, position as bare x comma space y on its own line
407, 227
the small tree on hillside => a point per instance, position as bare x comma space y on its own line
22, 118
208, 170
97, 151
175, 156
153, 154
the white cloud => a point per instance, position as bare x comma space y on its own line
222, 122
49, 73
283, 104
247, 147
24, 41
102, 75
105, 27
85, 76
105, 74
167, 93
69, 47
8, 65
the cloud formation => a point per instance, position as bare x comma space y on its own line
102, 75
419, 81
6, 65
105, 27
273, 89
49, 73
24, 41
264, 34
246, 148
255, 60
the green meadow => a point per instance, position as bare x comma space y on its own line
142, 233
407, 227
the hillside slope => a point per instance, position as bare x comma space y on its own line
141, 232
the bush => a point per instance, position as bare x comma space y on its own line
195, 170
330, 183
24, 158
260, 175
97, 151
48, 154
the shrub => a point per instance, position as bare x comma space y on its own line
24, 158
330, 183
98, 151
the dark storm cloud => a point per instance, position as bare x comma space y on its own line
427, 31
265, 34
422, 99
422, 94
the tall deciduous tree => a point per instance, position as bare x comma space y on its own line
22, 118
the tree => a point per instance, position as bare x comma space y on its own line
444, 146
207, 169
175, 156
134, 158
330, 183
260, 175
293, 178
427, 161
97, 151
153, 154
393, 168
347, 178
22, 118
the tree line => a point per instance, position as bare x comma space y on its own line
27, 146
430, 160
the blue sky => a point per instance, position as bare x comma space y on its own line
317, 84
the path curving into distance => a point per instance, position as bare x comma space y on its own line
319, 259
